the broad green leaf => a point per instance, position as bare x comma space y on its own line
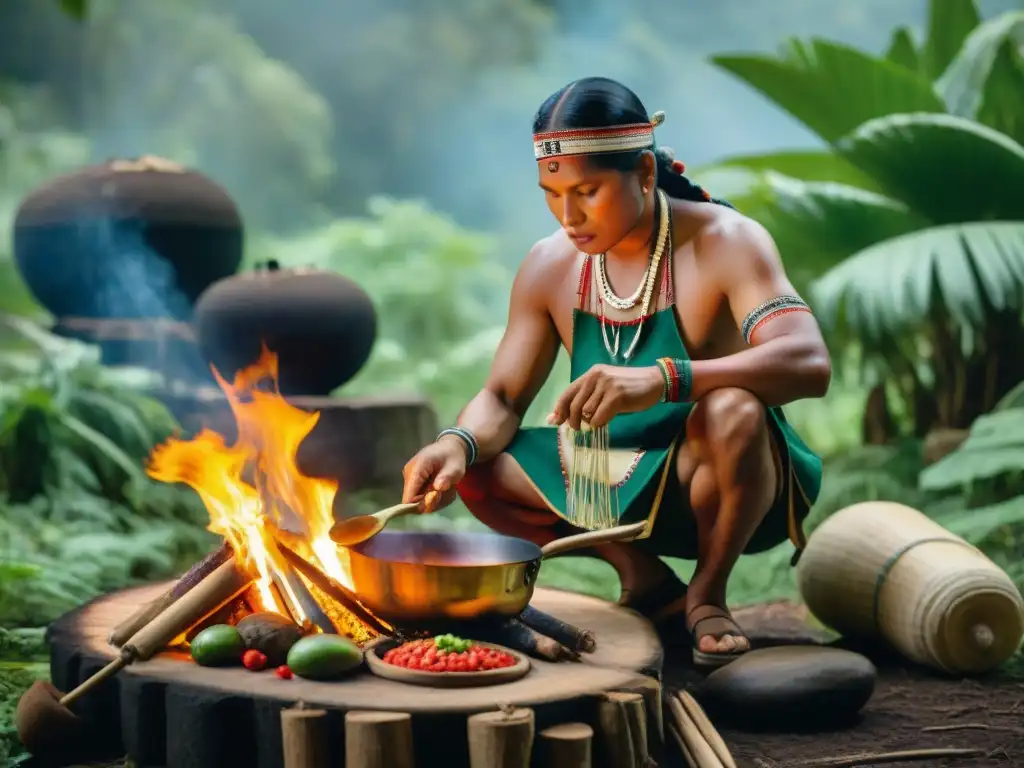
818, 224
892, 285
832, 88
1012, 399
962, 85
902, 50
946, 168
949, 24
105, 446
807, 165
976, 525
994, 446
1002, 106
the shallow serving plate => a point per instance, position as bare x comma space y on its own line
375, 661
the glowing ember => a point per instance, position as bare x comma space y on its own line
256, 482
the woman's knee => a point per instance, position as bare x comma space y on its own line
731, 421
502, 479
497, 492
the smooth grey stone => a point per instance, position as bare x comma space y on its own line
798, 686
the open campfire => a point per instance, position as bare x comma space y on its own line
277, 555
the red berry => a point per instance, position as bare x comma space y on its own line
283, 672
254, 660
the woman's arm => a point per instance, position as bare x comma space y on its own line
787, 359
523, 360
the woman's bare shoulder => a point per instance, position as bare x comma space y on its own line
548, 261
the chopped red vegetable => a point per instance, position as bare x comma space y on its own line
254, 660
424, 655
283, 672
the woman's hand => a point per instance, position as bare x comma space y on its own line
605, 391
437, 467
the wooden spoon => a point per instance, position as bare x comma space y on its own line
356, 530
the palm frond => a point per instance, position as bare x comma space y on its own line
895, 284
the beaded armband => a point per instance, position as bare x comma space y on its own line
678, 375
769, 310
472, 449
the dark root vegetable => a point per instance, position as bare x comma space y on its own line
271, 634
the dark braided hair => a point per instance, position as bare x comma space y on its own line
599, 102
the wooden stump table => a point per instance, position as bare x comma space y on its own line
170, 712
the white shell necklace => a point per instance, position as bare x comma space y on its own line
645, 289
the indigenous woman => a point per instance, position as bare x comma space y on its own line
686, 338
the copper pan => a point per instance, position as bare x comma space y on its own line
413, 578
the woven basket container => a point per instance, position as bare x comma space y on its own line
884, 569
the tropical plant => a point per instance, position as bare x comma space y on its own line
79, 514
907, 231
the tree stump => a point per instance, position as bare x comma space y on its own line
378, 740
304, 737
501, 739
567, 746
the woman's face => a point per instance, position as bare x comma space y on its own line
597, 208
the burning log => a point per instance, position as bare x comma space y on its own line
502, 739
151, 610
225, 583
573, 638
299, 600
333, 589
231, 612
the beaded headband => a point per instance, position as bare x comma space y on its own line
589, 141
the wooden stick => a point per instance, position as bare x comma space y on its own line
225, 583
519, 637
623, 729
681, 743
378, 740
707, 730
501, 739
651, 690
870, 758
697, 746
230, 613
304, 737
333, 589
120, 634
971, 727
221, 586
567, 746
573, 638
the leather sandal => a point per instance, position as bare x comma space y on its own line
715, 622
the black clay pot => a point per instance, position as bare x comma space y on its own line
128, 239
321, 326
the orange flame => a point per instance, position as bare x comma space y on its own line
257, 481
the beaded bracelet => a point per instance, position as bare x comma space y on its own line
678, 375
472, 449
